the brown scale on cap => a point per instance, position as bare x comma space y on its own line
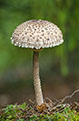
37, 34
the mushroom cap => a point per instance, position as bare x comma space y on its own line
37, 34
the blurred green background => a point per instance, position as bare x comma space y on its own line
59, 66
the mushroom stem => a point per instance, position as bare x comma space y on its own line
37, 85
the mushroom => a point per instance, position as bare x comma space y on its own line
37, 34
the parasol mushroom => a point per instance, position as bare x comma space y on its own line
37, 34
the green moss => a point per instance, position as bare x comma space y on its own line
25, 112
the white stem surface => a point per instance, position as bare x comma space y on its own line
37, 85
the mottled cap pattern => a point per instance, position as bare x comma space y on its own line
37, 34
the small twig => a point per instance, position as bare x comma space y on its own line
69, 96
48, 99
31, 101
56, 100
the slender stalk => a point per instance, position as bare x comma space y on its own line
37, 85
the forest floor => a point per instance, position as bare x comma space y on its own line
49, 111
